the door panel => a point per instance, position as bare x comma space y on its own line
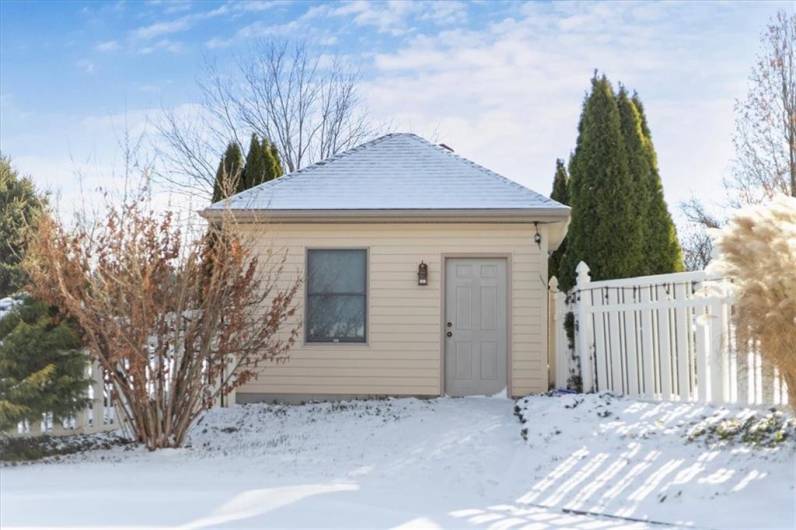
475, 306
464, 361
489, 360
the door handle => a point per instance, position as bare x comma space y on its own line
449, 334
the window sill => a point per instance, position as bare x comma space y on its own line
306, 344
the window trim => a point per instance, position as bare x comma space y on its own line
322, 343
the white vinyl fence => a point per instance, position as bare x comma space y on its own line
666, 337
99, 416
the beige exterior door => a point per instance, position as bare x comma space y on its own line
475, 326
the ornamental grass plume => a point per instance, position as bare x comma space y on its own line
757, 251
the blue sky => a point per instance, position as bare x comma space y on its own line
500, 82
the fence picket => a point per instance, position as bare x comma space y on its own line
647, 353
702, 362
631, 345
562, 342
768, 382
585, 331
98, 401
603, 377
664, 346
552, 350
682, 329
615, 350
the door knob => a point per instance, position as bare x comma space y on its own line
449, 334
450, 324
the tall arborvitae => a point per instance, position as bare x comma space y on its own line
561, 194
257, 165
276, 162
262, 164
229, 172
662, 252
638, 165
604, 231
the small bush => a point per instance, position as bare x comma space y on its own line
25, 449
758, 429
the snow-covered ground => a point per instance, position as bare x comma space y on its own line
407, 463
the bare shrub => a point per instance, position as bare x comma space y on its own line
172, 334
758, 253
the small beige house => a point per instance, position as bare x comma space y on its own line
423, 274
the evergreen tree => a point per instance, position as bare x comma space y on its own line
661, 249
234, 175
604, 231
638, 165
20, 206
258, 165
561, 194
262, 163
228, 174
42, 368
276, 161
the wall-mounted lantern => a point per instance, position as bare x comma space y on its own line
422, 274
537, 237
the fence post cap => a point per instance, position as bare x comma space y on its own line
583, 273
553, 283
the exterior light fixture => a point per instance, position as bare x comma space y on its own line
422, 274
537, 238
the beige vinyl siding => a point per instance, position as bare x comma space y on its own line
403, 355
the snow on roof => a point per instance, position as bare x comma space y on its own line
393, 172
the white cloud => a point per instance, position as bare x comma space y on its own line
218, 42
107, 46
450, 12
172, 6
89, 156
86, 66
266, 28
150, 88
397, 17
258, 5
508, 95
186, 22
177, 25
164, 45
387, 17
162, 28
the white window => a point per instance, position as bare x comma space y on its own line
336, 295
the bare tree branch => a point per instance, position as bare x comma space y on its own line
765, 137
695, 239
304, 103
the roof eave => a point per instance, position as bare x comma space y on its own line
541, 215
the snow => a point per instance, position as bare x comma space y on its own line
6, 305
590, 462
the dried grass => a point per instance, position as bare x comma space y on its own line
757, 251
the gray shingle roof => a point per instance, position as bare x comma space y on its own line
393, 172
